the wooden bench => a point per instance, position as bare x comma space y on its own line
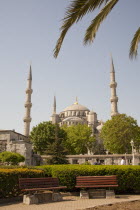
96, 182
35, 185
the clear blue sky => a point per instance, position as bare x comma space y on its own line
29, 30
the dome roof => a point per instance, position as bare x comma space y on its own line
76, 107
99, 127
73, 119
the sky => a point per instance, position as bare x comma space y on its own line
29, 30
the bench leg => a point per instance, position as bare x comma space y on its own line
84, 194
30, 199
110, 194
56, 196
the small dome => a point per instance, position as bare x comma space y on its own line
76, 107
99, 127
91, 112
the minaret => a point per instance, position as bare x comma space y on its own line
27, 119
54, 117
54, 105
113, 85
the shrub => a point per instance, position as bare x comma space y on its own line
86, 163
9, 180
128, 176
11, 158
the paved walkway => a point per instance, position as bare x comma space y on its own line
69, 203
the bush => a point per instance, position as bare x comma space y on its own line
11, 158
9, 180
86, 163
128, 176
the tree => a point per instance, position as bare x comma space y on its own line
44, 134
118, 132
79, 8
56, 150
79, 139
11, 158
57, 153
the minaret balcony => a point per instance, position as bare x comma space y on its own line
29, 91
114, 99
28, 105
113, 84
27, 119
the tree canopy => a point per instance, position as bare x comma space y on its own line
79, 139
78, 9
43, 134
118, 132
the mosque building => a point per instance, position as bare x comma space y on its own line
79, 114
72, 115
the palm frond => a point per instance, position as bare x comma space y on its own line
93, 28
134, 44
74, 13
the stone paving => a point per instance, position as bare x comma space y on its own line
69, 203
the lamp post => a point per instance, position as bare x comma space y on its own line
133, 157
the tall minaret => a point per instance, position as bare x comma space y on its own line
27, 119
113, 85
54, 105
54, 117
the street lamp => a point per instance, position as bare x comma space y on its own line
133, 157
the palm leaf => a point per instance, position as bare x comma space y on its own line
93, 28
75, 12
134, 44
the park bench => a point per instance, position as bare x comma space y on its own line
35, 185
88, 182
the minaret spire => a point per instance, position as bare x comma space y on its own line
113, 85
54, 105
27, 118
54, 117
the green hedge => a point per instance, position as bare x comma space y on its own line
128, 176
9, 180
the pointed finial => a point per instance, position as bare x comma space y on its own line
76, 102
112, 64
30, 73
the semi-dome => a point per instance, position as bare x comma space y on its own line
73, 119
76, 107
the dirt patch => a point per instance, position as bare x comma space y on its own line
129, 205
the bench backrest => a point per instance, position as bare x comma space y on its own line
96, 180
29, 183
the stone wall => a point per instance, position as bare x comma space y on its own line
114, 159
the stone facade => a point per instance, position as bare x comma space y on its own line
15, 142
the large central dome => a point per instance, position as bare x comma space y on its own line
76, 107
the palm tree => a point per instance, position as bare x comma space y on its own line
79, 8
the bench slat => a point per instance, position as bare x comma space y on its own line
96, 181
95, 186
34, 184
48, 188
